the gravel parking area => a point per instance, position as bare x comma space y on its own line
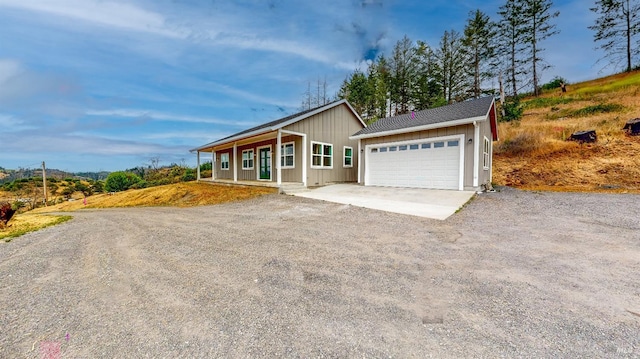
514, 274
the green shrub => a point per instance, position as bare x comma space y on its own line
121, 181
189, 175
513, 110
206, 166
554, 84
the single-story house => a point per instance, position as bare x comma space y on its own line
311, 147
449, 147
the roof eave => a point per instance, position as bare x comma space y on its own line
399, 131
280, 125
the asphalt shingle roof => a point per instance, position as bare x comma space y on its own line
270, 125
457, 111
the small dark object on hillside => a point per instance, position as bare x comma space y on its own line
563, 87
584, 136
632, 127
6, 212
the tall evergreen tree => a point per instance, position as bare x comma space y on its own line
479, 41
537, 28
511, 33
427, 92
617, 26
402, 69
452, 60
356, 90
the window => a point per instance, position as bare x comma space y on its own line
348, 157
383, 149
247, 159
321, 155
414, 147
485, 153
287, 156
455, 143
374, 150
402, 148
438, 145
426, 145
224, 161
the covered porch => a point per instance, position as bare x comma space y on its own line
249, 160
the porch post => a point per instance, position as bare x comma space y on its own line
213, 165
235, 162
198, 168
278, 159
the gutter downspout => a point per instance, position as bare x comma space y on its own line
476, 154
360, 159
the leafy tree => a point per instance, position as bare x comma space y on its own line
452, 60
479, 41
121, 181
616, 27
537, 28
511, 33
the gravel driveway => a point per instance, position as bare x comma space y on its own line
514, 274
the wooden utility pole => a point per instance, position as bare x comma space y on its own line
44, 182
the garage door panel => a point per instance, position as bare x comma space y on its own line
424, 164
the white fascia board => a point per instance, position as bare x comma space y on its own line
399, 131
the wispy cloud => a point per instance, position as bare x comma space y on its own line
107, 13
163, 116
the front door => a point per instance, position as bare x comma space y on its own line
264, 154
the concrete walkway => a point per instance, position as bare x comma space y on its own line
429, 203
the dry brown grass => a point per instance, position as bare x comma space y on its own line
28, 222
534, 154
179, 195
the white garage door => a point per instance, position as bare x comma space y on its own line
433, 163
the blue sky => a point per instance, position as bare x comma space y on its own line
89, 85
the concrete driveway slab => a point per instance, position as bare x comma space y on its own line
429, 203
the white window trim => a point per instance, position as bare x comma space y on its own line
222, 161
344, 156
252, 159
486, 148
322, 155
283, 155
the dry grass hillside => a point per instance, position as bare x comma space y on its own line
178, 195
533, 153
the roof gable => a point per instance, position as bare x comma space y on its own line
280, 123
449, 115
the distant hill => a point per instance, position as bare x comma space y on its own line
8, 175
534, 153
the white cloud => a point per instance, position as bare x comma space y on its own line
106, 13
163, 116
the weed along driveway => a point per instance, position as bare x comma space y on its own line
516, 274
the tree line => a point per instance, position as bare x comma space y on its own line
507, 51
